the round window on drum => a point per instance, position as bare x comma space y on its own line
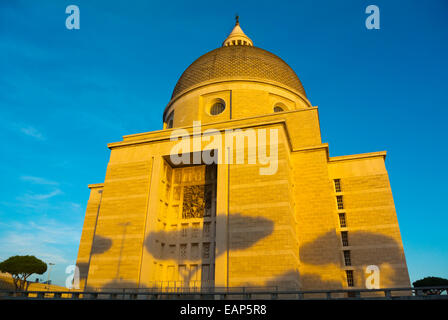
217, 108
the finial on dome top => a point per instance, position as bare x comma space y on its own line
237, 36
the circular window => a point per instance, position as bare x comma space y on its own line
217, 108
278, 109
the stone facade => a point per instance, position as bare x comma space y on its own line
317, 223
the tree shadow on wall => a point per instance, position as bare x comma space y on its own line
244, 232
100, 245
366, 248
248, 231
290, 279
118, 284
285, 281
361, 242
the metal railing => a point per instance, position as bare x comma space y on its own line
234, 293
176, 286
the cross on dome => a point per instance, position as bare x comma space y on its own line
237, 37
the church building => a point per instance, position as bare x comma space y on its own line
238, 190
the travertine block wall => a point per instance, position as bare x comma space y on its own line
303, 128
372, 225
315, 206
88, 231
271, 230
262, 227
118, 243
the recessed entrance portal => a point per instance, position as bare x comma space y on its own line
187, 221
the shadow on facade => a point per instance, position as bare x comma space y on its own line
366, 248
283, 282
240, 239
286, 281
121, 284
312, 281
100, 245
245, 232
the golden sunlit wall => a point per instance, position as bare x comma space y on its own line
317, 223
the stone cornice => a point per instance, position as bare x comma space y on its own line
256, 121
359, 156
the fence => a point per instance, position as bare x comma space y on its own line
242, 293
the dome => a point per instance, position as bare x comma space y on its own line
238, 59
238, 62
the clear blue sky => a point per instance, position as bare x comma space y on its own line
65, 94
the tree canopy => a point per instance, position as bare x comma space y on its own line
21, 267
431, 282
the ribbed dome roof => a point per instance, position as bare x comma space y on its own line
238, 62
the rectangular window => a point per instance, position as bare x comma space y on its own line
205, 272
196, 227
342, 220
171, 276
154, 270
212, 272
350, 280
184, 230
206, 250
347, 258
344, 236
340, 202
194, 251
182, 272
160, 275
194, 274
172, 250
208, 199
183, 251
206, 230
337, 185
176, 193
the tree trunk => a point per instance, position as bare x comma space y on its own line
16, 283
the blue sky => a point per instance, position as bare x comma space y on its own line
65, 94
